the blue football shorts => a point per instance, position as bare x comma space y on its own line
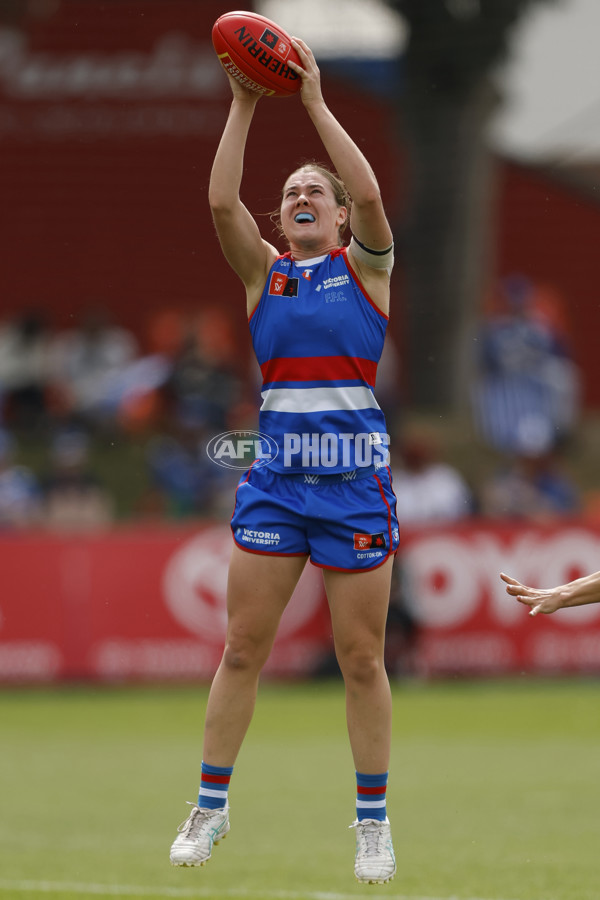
341, 524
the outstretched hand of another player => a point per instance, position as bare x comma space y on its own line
540, 601
579, 592
309, 73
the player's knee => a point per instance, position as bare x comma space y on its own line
361, 665
245, 655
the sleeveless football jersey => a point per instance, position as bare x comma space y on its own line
318, 338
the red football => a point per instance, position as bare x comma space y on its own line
255, 51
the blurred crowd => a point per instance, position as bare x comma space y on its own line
74, 400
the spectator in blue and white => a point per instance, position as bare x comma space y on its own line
527, 380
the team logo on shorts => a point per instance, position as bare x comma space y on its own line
369, 541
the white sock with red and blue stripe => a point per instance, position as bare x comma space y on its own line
370, 796
214, 786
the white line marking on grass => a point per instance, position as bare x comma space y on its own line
131, 890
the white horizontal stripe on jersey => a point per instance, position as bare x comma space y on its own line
373, 803
321, 399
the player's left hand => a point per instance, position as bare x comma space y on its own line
308, 72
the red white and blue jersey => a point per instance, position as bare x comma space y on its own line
318, 338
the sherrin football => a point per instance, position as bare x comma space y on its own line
255, 51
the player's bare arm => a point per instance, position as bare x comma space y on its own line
245, 250
368, 221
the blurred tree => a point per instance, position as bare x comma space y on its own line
446, 102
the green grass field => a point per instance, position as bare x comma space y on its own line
494, 794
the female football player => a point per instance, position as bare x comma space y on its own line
317, 316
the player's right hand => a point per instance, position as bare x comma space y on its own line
242, 93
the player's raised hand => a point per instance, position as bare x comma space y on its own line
308, 72
540, 601
242, 93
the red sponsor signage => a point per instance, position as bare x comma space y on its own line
149, 604
468, 622
135, 604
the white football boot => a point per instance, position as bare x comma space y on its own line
375, 862
202, 828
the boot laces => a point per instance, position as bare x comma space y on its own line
370, 835
192, 826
